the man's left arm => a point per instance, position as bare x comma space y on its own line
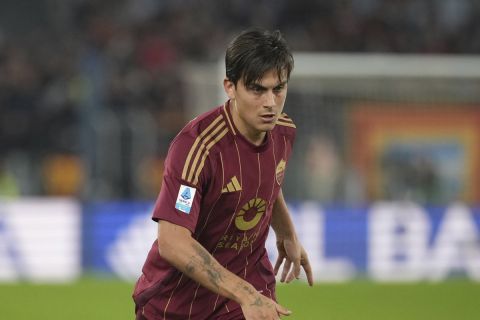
290, 250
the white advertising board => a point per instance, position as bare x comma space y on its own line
40, 240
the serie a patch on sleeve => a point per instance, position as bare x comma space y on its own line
185, 198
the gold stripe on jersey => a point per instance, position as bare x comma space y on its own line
287, 123
203, 145
284, 120
193, 300
206, 152
285, 116
228, 119
170, 298
194, 146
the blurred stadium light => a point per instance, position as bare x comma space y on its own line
384, 178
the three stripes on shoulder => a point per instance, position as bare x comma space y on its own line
205, 141
285, 120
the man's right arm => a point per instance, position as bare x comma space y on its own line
176, 245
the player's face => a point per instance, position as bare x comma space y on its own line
256, 108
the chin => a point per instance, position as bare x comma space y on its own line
267, 127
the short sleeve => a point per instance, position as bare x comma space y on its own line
180, 195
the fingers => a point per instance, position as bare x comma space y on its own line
295, 273
299, 258
308, 269
282, 311
286, 268
278, 263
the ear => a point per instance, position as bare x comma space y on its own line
229, 87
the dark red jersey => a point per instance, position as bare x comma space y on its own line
222, 188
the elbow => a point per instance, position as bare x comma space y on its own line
171, 241
164, 247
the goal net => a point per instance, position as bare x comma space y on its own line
377, 127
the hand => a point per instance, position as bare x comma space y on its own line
294, 254
261, 307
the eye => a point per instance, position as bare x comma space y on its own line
278, 89
256, 89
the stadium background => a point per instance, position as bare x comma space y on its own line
383, 186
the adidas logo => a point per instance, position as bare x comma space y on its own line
232, 186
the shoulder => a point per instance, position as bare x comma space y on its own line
208, 124
191, 147
285, 126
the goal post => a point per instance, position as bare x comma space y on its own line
376, 126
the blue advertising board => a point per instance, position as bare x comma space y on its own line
105, 226
385, 241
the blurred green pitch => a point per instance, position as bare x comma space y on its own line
95, 298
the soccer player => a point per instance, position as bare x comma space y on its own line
221, 192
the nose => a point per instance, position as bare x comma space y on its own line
269, 99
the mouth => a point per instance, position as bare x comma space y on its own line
268, 118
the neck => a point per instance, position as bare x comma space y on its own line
254, 136
256, 139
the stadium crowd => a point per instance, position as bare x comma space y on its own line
87, 59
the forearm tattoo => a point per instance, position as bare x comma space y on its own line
204, 261
190, 267
207, 264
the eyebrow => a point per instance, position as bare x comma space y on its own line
259, 86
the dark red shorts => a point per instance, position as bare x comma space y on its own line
234, 315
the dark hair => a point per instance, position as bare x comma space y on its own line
254, 52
